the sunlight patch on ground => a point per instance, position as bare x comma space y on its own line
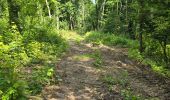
71, 35
107, 47
71, 96
81, 57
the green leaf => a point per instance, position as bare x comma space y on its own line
50, 72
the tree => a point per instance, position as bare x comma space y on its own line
49, 11
141, 22
13, 9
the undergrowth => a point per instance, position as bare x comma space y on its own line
71, 35
111, 39
156, 66
122, 86
27, 60
98, 59
96, 56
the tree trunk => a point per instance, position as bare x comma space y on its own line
140, 42
97, 17
102, 10
126, 22
141, 22
165, 54
83, 8
0, 11
117, 7
126, 12
49, 12
58, 23
57, 18
130, 29
163, 44
13, 10
71, 23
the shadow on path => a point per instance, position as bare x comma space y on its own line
82, 81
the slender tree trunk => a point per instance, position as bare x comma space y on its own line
102, 11
118, 20
40, 12
163, 44
57, 18
140, 42
126, 12
0, 11
117, 7
13, 14
97, 17
141, 22
130, 29
71, 26
126, 16
49, 12
58, 22
165, 54
83, 8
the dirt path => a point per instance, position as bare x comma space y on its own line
80, 80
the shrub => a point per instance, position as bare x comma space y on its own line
12, 57
37, 45
135, 54
3, 25
109, 39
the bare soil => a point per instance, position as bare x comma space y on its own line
80, 80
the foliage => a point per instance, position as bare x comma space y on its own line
109, 39
152, 51
135, 54
41, 76
98, 59
37, 44
31, 34
156, 66
109, 80
121, 81
128, 95
146, 21
67, 35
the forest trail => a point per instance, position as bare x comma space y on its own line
81, 80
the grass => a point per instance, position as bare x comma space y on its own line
121, 79
127, 94
109, 39
97, 63
122, 41
158, 68
108, 79
84, 57
40, 76
121, 82
98, 59
99, 38
68, 35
